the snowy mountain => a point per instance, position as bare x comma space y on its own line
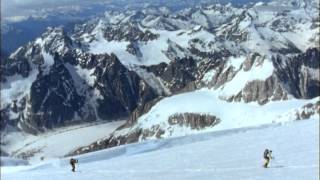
25, 23
167, 72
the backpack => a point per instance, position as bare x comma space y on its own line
266, 153
73, 161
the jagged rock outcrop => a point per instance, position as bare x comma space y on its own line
234, 31
69, 86
300, 73
53, 98
184, 75
121, 90
140, 110
262, 91
193, 120
297, 75
178, 76
13, 67
308, 110
128, 32
56, 40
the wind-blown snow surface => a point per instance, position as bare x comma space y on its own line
57, 143
224, 155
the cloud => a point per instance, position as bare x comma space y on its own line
16, 18
38, 3
27, 7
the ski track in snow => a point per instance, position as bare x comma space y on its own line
223, 155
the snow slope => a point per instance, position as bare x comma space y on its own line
9, 161
223, 155
207, 101
56, 143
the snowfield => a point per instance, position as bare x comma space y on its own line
56, 143
224, 155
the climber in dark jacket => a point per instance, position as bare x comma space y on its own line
267, 157
73, 164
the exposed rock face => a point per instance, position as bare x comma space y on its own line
121, 90
224, 74
260, 91
123, 93
140, 110
263, 91
193, 120
248, 63
128, 32
300, 74
59, 95
297, 75
178, 76
26, 155
53, 98
183, 75
55, 40
308, 110
232, 31
11, 68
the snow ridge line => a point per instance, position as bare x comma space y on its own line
159, 144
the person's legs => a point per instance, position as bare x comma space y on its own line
73, 167
266, 162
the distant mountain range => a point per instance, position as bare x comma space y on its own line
19, 30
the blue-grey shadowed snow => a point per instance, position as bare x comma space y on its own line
10, 161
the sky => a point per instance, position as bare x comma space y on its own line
11, 8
